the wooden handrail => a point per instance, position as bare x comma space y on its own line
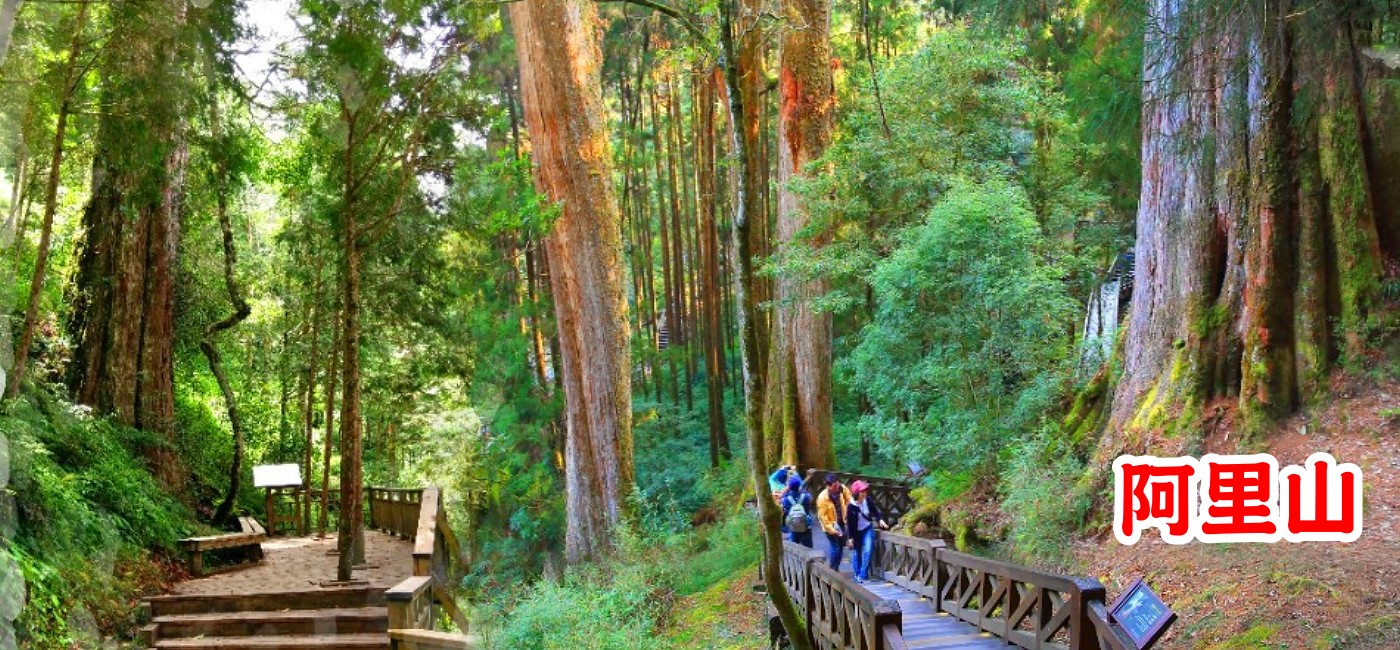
910, 562
435, 556
1109, 637
1025, 607
844, 614
891, 496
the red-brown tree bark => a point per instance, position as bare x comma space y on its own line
807, 103
124, 288
557, 47
1258, 259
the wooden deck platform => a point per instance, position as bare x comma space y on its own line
299, 564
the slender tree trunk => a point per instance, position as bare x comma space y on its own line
332, 375
788, 611
559, 59
351, 422
8, 10
312, 358
709, 264
41, 260
666, 276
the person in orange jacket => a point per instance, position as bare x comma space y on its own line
832, 507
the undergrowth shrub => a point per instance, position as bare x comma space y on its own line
625, 602
1041, 493
92, 522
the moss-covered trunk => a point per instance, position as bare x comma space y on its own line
1258, 255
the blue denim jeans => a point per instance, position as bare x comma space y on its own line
862, 552
804, 538
835, 545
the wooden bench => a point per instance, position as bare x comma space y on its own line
249, 539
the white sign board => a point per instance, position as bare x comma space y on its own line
267, 476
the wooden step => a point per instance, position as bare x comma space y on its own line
338, 597
279, 642
354, 620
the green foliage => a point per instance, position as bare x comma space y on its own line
90, 515
1040, 491
967, 349
623, 603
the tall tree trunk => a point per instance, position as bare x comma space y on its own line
708, 243
41, 260
124, 287
559, 59
666, 276
351, 527
806, 112
746, 307
1246, 258
332, 375
312, 359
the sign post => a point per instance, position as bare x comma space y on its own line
279, 480
1141, 614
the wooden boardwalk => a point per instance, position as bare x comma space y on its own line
923, 625
923, 594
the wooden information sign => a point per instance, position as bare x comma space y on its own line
1139, 612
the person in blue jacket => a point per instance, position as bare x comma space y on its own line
798, 524
777, 481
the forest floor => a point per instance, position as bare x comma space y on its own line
727, 616
1287, 595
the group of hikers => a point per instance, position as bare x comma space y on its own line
846, 516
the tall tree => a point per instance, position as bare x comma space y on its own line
1254, 274
562, 97
124, 287
735, 68
807, 104
708, 241
8, 10
225, 151
41, 261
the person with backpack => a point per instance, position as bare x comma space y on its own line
862, 518
797, 512
777, 481
832, 507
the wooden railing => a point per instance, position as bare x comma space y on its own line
910, 562
891, 496
1024, 607
418, 514
844, 614
395, 510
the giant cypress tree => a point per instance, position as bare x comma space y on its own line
123, 294
800, 370
562, 99
1259, 255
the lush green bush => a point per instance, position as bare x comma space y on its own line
92, 520
624, 603
967, 350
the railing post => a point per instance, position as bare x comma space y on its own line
1082, 635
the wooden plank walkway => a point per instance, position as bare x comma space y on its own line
923, 627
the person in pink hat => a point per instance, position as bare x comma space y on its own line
862, 519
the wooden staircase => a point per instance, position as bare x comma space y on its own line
325, 619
